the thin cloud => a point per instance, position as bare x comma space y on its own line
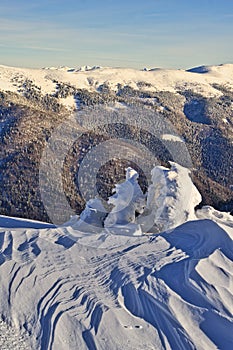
155, 14
55, 49
31, 47
46, 35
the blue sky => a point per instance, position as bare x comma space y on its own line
127, 33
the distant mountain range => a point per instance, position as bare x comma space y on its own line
34, 102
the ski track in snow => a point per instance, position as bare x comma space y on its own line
169, 291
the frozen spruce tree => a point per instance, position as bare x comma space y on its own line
127, 200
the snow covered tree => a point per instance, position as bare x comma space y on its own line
127, 200
92, 218
171, 200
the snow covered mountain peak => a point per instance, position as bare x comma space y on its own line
85, 68
222, 70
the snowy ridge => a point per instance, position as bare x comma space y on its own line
62, 288
73, 70
154, 79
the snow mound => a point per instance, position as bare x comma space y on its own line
87, 68
172, 198
92, 218
224, 71
224, 220
200, 70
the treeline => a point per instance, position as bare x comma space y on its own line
28, 120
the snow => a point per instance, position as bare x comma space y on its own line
224, 220
134, 293
127, 200
69, 102
38, 76
174, 138
111, 280
171, 199
71, 70
156, 79
10, 338
66, 288
92, 218
116, 106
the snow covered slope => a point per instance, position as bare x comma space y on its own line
66, 289
169, 291
92, 78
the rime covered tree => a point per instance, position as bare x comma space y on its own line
127, 200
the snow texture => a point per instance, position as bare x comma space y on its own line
171, 199
65, 289
127, 200
155, 79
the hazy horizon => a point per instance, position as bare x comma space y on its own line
164, 34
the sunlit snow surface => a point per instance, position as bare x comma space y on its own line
66, 289
167, 291
200, 79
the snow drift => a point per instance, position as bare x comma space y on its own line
62, 288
